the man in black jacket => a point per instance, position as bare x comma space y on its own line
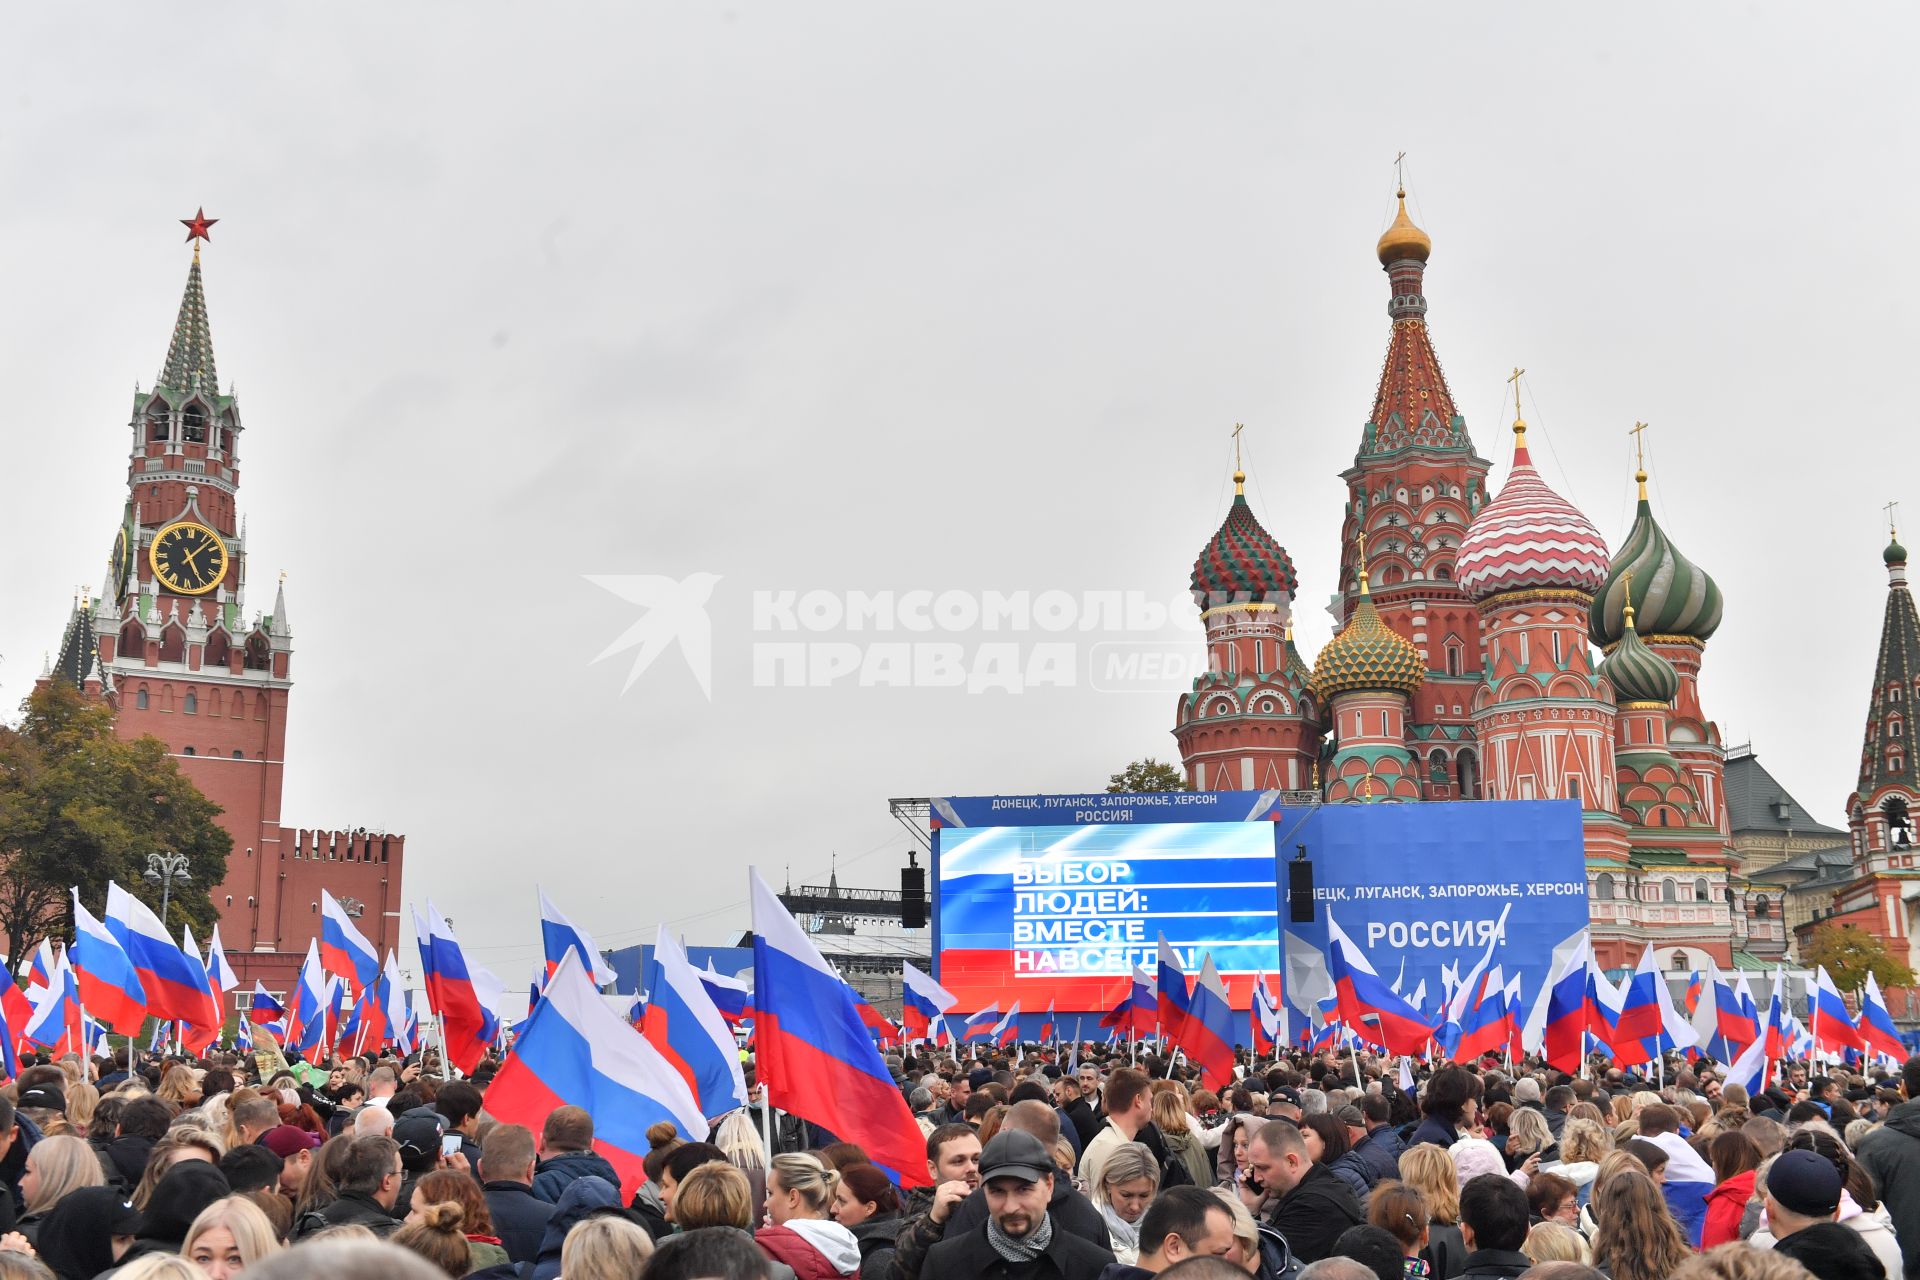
369, 1188
1071, 1212
519, 1217
143, 1122
1018, 1240
1493, 1222
1306, 1203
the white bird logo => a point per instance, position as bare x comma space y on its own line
674, 611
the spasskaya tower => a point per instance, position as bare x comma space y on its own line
169, 641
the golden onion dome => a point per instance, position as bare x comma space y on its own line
1368, 655
1403, 240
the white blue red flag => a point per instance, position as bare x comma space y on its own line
982, 1025
1830, 1019
730, 995
344, 949
921, 1001
465, 1025
559, 935
109, 986
815, 1056
687, 1029
1208, 1032
1370, 1010
576, 1051
1876, 1027
175, 985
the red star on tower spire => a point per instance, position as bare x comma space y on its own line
198, 226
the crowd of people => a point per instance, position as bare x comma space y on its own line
1044, 1164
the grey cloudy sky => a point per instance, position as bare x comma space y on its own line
883, 297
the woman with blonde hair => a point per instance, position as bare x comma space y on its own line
800, 1193
1246, 1252
1556, 1242
159, 1266
238, 1098
1638, 1238
436, 1236
229, 1236
713, 1195
1171, 1117
1128, 1181
55, 1168
1429, 1169
1527, 1135
1401, 1212
82, 1100
179, 1087
1583, 1145
739, 1139
605, 1248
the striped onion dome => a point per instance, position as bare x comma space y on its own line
1529, 538
1671, 596
1243, 563
1637, 673
1368, 654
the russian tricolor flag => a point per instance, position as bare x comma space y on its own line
1046, 1024
981, 1025
1208, 1039
1564, 1035
1484, 1024
1686, 1183
688, 1031
1007, 1030
1171, 993
199, 1034
174, 985
559, 935
464, 1024
815, 1057
730, 995
1752, 1069
575, 1051
1639, 1017
41, 974
1264, 1028
1876, 1027
1137, 1011
265, 1008
56, 1022
1832, 1021
344, 949
107, 981
1367, 1005
219, 972
922, 1000
307, 1014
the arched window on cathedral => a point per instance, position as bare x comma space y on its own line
193, 423
157, 421
1573, 788
1680, 962
1894, 727
1456, 656
1761, 905
1702, 891
1894, 810
140, 702
1603, 885
1669, 891
1467, 768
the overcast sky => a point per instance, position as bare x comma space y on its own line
881, 297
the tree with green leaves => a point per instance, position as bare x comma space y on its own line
80, 806
1148, 775
1849, 953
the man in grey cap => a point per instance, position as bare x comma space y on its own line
1017, 1241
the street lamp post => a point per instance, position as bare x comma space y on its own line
163, 869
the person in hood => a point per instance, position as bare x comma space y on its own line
1018, 1240
800, 1196
90, 1230
1891, 1153
1493, 1222
1803, 1201
178, 1198
584, 1197
566, 1148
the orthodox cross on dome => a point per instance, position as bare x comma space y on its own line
1400, 171
1892, 528
1239, 474
1639, 458
1519, 422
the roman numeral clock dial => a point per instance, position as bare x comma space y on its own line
188, 559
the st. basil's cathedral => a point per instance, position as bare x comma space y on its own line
1490, 646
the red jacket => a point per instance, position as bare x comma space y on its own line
784, 1244
1725, 1206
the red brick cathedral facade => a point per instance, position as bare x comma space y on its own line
1465, 668
170, 643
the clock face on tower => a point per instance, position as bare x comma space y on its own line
189, 559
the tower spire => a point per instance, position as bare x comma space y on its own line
189, 365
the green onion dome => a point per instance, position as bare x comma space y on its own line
1637, 673
1670, 595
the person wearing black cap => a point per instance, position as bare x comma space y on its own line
1891, 1153
1803, 1199
1018, 1240
89, 1230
